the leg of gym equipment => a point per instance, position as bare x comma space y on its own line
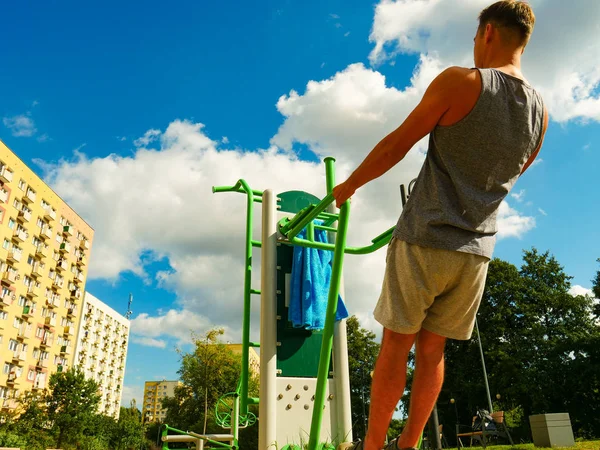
326, 346
268, 324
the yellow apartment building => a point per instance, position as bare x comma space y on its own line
43, 266
154, 392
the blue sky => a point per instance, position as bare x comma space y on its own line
80, 83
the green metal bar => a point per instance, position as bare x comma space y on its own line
164, 433
381, 241
254, 344
327, 343
330, 174
256, 244
239, 187
253, 400
307, 217
323, 227
247, 299
310, 231
255, 291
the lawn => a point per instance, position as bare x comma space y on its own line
587, 445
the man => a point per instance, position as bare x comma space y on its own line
486, 127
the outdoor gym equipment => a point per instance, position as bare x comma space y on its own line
301, 396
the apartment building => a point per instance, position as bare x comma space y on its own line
154, 392
43, 266
253, 358
101, 351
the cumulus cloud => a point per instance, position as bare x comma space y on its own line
560, 60
21, 125
511, 223
148, 137
149, 342
580, 290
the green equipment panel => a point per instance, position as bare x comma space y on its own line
298, 350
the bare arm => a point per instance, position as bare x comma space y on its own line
537, 150
393, 148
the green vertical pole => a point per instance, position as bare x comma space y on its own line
332, 302
330, 173
163, 434
247, 300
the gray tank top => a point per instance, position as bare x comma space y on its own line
471, 166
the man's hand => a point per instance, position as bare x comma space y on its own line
343, 192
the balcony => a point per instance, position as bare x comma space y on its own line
3, 196
71, 311
24, 333
49, 213
6, 175
68, 230
15, 255
61, 265
9, 403
65, 350
27, 311
29, 196
47, 342
41, 252
65, 247
33, 291
12, 379
81, 261
36, 270
24, 216
46, 233
20, 236
9, 277
50, 322
58, 283
39, 385
42, 363
53, 301
79, 278
85, 244
76, 293
59, 368
19, 357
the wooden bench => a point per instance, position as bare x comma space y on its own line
483, 434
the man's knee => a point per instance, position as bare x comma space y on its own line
430, 346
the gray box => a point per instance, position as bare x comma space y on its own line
552, 430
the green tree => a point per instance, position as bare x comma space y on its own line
129, 431
72, 403
207, 373
362, 354
537, 339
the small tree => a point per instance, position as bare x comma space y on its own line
72, 403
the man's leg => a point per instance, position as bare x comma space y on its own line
427, 383
389, 379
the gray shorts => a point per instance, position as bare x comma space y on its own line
438, 290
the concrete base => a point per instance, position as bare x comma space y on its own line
552, 430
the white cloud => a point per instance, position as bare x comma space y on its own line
346, 34
580, 290
34, 103
560, 60
518, 196
536, 162
148, 137
135, 392
334, 16
21, 125
43, 138
511, 223
149, 342
542, 212
225, 140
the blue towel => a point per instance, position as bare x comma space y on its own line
311, 276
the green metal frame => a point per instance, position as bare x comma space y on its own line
289, 229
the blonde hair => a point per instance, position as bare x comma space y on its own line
514, 16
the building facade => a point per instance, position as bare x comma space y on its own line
101, 351
43, 266
154, 392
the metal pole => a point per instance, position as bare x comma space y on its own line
327, 343
435, 425
235, 422
267, 434
247, 300
340, 342
485, 377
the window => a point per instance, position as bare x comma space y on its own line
22, 184
6, 368
45, 204
3, 315
40, 223
30, 260
17, 322
3, 392
22, 300
11, 223
16, 203
36, 353
59, 238
39, 333
36, 242
6, 244
13, 345
62, 220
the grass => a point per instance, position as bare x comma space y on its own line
587, 445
